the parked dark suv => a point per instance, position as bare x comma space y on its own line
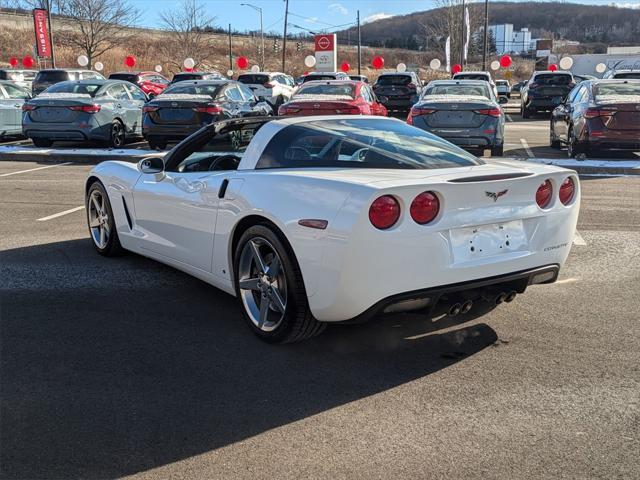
401, 90
545, 91
45, 78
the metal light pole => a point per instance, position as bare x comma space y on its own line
359, 52
53, 56
261, 30
462, 35
486, 33
284, 36
230, 54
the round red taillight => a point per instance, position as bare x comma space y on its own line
384, 212
425, 208
567, 189
543, 195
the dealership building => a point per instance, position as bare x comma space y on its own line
509, 40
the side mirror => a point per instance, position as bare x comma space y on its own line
383, 99
152, 165
503, 100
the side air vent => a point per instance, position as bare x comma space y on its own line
126, 212
489, 178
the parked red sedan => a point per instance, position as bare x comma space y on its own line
598, 115
151, 83
330, 97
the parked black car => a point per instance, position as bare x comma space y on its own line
545, 91
45, 78
401, 89
183, 76
184, 108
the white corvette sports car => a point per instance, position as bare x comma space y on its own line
326, 219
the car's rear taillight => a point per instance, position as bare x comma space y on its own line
349, 111
28, 108
424, 208
598, 112
543, 194
384, 212
491, 112
287, 110
417, 112
149, 108
85, 108
210, 109
269, 85
567, 190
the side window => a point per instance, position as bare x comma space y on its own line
573, 93
247, 93
86, 75
232, 93
366, 94
584, 95
15, 92
3, 95
118, 92
136, 93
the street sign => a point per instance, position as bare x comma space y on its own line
325, 51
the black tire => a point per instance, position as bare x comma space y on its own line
155, 144
526, 113
297, 322
574, 147
553, 141
113, 247
42, 142
117, 135
497, 151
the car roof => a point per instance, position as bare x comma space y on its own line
458, 82
598, 81
336, 81
66, 70
396, 73
474, 72
212, 81
539, 72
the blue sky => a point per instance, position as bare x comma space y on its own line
310, 14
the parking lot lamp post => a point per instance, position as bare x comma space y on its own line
486, 28
258, 9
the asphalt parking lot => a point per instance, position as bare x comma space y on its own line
117, 367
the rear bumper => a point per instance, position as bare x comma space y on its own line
402, 104
169, 132
541, 103
473, 290
65, 131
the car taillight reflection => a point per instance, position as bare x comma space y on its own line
418, 111
210, 109
543, 194
598, 112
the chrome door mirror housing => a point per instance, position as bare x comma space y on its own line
152, 166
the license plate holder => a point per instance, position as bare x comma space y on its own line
482, 241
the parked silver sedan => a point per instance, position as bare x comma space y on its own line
86, 110
12, 97
463, 112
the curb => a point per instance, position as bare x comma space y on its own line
604, 167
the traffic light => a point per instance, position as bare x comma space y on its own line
298, 46
276, 47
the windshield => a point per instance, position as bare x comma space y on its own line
127, 77
74, 87
360, 143
53, 76
471, 76
457, 89
616, 89
211, 90
253, 79
327, 89
310, 78
186, 76
553, 79
635, 75
394, 80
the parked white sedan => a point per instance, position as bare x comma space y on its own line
327, 219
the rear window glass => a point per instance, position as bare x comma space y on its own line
471, 76
211, 90
127, 77
478, 90
502, 82
50, 77
615, 89
635, 75
253, 79
73, 87
553, 79
310, 78
360, 143
394, 80
186, 76
324, 89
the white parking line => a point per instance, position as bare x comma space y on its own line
34, 169
525, 145
578, 240
60, 214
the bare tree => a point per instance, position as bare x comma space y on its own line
99, 25
190, 27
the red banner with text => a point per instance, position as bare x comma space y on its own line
41, 26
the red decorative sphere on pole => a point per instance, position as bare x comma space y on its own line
553, 67
345, 67
505, 61
242, 62
13, 61
457, 68
28, 61
378, 62
130, 61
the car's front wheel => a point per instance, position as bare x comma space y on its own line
117, 134
102, 225
270, 288
497, 151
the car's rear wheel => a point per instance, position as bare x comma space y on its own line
574, 147
270, 288
42, 142
497, 151
553, 141
117, 134
526, 113
102, 225
156, 144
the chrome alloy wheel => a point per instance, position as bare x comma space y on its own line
98, 219
263, 284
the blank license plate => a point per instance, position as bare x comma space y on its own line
482, 241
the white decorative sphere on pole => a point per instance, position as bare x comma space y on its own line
255, 69
495, 65
401, 67
434, 64
83, 60
98, 66
189, 62
310, 61
566, 63
158, 68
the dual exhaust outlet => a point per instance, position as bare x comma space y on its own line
497, 299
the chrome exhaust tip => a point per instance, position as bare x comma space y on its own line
511, 296
454, 310
466, 306
501, 297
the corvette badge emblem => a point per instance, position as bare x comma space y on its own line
496, 195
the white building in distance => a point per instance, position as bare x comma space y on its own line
510, 41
